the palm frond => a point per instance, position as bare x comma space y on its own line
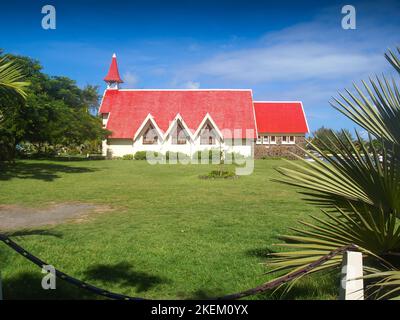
359, 188
11, 79
393, 59
344, 175
388, 287
377, 111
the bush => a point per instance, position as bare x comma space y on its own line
127, 157
96, 157
220, 174
178, 156
140, 155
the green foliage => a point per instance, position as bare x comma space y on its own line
11, 79
176, 156
12, 94
130, 157
358, 185
55, 112
219, 174
322, 137
140, 155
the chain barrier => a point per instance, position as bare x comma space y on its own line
116, 296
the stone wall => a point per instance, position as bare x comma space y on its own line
280, 150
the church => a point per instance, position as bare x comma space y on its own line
192, 120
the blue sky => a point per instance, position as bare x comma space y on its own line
286, 50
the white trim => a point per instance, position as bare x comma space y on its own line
145, 121
305, 118
288, 139
203, 122
254, 114
270, 141
174, 122
265, 139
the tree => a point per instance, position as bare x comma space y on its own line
12, 92
55, 114
323, 137
359, 190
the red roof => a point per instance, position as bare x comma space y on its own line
280, 117
113, 73
229, 109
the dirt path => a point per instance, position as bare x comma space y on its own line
17, 217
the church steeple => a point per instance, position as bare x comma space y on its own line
113, 78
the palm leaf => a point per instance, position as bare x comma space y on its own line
358, 187
11, 79
393, 59
342, 176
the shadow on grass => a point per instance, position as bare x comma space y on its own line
123, 274
260, 252
39, 171
37, 232
204, 294
27, 285
311, 287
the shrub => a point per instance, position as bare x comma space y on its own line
96, 157
178, 156
140, 155
127, 157
220, 174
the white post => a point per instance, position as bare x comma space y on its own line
352, 287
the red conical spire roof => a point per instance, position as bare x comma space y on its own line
113, 74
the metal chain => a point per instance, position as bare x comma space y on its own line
116, 296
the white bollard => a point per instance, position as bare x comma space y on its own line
351, 286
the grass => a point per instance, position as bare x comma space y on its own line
170, 235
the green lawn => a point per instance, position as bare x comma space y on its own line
170, 234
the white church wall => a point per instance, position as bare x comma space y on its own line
118, 147
121, 147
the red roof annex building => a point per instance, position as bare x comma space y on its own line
191, 120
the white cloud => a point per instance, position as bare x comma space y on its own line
289, 62
191, 85
317, 49
130, 79
310, 61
